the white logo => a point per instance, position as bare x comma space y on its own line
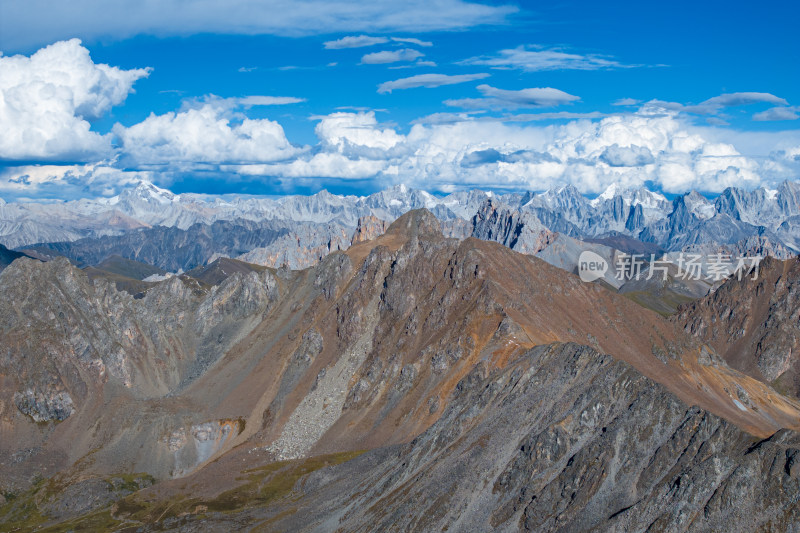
591, 266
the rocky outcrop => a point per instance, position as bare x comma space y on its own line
521, 232
302, 247
194, 446
368, 228
754, 323
44, 406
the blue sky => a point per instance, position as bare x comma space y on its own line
710, 95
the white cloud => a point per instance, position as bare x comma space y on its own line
504, 99
627, 156
204, 135
321, 165
64, 181
238, 101
558, 115
463, 151
391, 56
340, 130
429, 81
412, 40
441, 152
256, 100
777, 113
47, 99
627, 102
34, 22
534, 60
715, 104
737, 99
354, 41
446, 118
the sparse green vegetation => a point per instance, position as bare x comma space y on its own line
261, 486
664, 304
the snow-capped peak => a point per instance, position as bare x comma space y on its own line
147, 190
641, 196
699, 205
144, 192
610, 193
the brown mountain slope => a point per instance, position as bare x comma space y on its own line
365, 350
561, 439
754, 324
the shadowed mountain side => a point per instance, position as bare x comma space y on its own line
8, 256
221, 269
170, 248
129, 268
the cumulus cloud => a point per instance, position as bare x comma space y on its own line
204, 135
67, 181
531, 59
342, 130
47, 99
34, 22
464, 151
492, 155
504, 99
627, 156
777, 113
391, 56
428, 81
321, 165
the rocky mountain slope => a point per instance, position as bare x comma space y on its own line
754, 324
439, 354
561, 439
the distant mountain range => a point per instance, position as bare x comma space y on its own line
734, 217
181, 232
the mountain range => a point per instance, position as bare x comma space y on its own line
413, 381
690, 219
178, 233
